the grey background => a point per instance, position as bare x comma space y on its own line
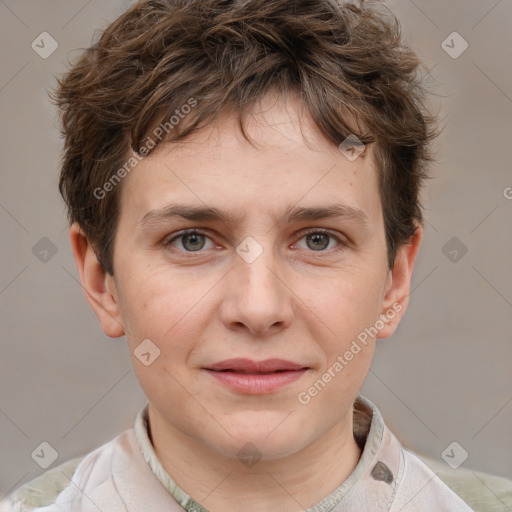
445, 376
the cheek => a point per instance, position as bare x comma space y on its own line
340, 323
167, 309
345, 303
167, 321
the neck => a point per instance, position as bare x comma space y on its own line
221, 484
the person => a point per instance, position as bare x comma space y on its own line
243, 186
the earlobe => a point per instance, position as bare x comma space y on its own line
99, 286
398, 287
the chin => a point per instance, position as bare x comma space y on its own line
257, 442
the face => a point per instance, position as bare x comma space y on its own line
286, 261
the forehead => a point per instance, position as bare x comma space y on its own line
289, 163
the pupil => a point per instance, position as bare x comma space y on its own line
320, 240
195, 238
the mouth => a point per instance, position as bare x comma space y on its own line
256, 377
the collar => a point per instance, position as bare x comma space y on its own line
376, 476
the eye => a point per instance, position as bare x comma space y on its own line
193, 240
190, 241
319, 239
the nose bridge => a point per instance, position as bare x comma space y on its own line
260, 275
258, 297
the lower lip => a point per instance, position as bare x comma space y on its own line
256, 383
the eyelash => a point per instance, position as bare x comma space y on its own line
342, 243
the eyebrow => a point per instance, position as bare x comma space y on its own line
211, 214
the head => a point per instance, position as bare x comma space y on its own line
241, 114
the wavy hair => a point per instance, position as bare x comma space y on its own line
347, 61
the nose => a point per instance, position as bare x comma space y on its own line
258, 296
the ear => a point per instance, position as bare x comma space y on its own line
98, 285
398, 287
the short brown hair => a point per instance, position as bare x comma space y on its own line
345, 60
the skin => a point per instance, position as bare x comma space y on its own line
296, 301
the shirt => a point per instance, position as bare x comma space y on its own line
126, 475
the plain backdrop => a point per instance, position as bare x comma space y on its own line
446, 374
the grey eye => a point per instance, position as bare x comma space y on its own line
192, 241
189, 241
317, 241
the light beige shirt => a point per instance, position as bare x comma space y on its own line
126, 475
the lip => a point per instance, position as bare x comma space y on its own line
250, 366
256, 377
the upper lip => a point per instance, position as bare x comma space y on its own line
250, 366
